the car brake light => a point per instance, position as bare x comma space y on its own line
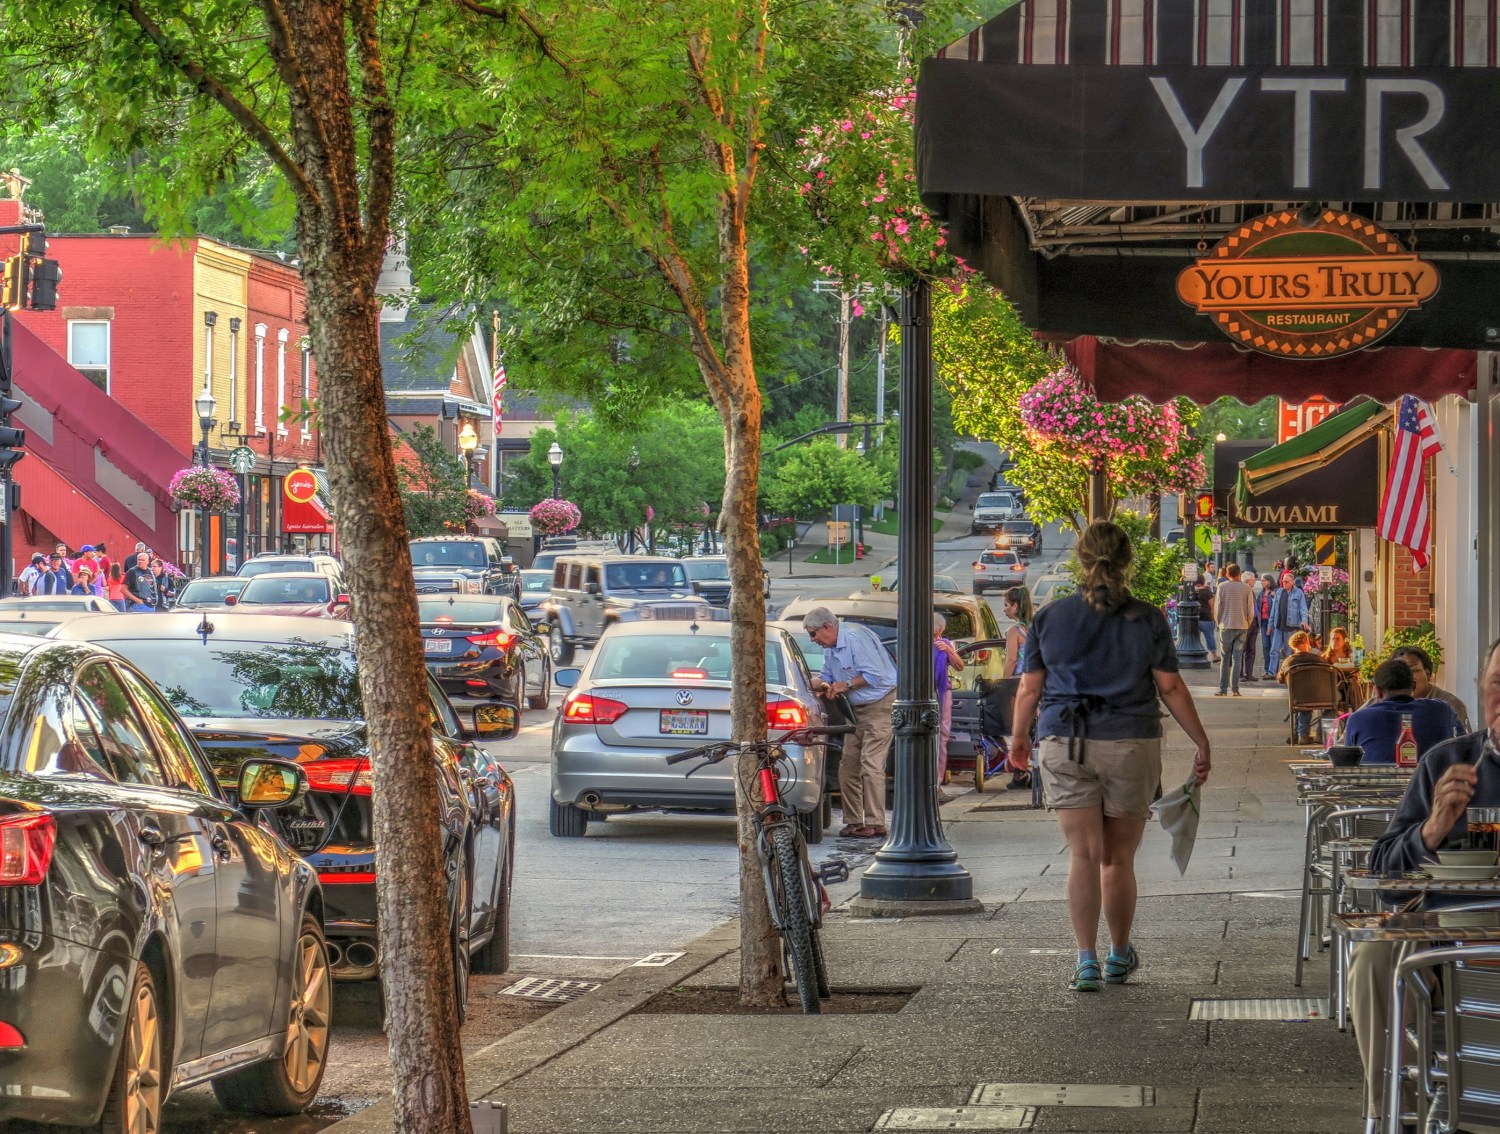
783, 715
10, 1037
347, 878
979, 566
585, 708
492, 638
689, 674
26, 843
352, 776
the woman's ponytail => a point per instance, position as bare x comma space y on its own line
1105, 554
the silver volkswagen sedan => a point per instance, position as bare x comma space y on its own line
653, 688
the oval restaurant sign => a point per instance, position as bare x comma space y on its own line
1296, 290
300, 486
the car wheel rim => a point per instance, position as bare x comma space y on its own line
143, 1075
307, 1030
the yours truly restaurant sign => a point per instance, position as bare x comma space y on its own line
1307, 287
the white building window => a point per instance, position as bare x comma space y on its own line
260, 377
88, 350
281, 338
234, 372
306, 406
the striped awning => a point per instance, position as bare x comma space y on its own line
1239, 33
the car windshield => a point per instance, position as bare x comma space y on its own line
295, 679
645, 576
80, 602
536, 582
993, 500
1004, 558
1021, 526
269, 590
458, 553
435, 609
33, 626
274, 567
707, 569
668, 657
209, 590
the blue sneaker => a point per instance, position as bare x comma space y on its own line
1086, 977
1117, 969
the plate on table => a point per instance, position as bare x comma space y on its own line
1440, 873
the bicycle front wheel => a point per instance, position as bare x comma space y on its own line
791, 909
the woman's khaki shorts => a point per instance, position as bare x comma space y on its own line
1121, 776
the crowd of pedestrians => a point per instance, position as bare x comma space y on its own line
148, 584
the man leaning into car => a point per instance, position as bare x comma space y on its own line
856, 664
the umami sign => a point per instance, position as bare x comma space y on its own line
1294, 289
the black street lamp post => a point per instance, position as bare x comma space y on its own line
205, 403
917, 871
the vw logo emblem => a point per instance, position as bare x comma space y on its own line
684, 696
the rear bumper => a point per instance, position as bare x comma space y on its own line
583, 772
67, 1000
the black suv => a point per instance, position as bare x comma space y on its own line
709, 576
466, 565
591, 592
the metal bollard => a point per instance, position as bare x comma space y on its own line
488, 1116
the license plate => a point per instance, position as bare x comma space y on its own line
684, 722
439, 645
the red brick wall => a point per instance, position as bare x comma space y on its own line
149, 288
1412, 591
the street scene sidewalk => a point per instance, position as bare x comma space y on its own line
990, 1037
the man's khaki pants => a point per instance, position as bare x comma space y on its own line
1372, 976
862, 768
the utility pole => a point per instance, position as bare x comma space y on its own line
885, 314
841, 404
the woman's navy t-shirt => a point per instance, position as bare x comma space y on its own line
1107, 659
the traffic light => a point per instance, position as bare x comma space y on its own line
39, 275
13, 288
1203, 506
12, 440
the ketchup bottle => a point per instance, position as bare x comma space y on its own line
1406, 744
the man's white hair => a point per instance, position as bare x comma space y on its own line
817, 618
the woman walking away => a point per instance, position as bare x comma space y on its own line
114, 588
945, 659
1096, 662
1017, 607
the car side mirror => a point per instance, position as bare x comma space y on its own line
591, 588
490, 722
566, 678
230, 600
270, 783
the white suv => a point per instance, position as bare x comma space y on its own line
998, 571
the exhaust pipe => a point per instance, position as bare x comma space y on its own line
362, 955
335, 955
589, 799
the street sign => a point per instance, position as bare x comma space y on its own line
838, 533
1217, 543
517, 524
1325, 574
1325, 550
242, 459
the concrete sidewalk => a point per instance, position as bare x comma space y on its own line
991, 1003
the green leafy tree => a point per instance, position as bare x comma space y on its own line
314, 90
434, 491
819, 475
1156, 572
613, 168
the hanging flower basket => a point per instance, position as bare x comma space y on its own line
554, 517
207, 489
478, 505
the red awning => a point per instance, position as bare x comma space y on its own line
1160, 371
306, 517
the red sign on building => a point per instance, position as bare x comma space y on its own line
1292, 420
300, 510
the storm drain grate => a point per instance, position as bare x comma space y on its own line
957, 1118
1062, 1094
657, 960
1286, 1009
551, 989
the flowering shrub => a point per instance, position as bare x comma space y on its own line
1337, 591
207, 489
860, 183
554, 517
478, 504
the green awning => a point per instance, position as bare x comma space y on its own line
1321, 445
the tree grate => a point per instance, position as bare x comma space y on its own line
1286, 1010
551, 989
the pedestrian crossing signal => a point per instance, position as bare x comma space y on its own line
1203, 507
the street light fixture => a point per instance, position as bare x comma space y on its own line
555, 459
634, 463
1220, 436
468, 441
205, 403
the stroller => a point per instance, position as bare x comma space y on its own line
982, 719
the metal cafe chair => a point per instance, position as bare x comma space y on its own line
1311, 689
1456, 1073
1351, 832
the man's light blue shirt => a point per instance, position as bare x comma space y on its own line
858, 651
1298, 609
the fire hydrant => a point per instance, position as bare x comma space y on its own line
859, 551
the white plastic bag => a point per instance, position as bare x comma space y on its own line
1178, 812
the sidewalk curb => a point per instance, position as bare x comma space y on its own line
492, 1068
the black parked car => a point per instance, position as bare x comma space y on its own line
485, 649
463, 565
264, 685
151, 935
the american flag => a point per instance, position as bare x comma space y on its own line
1403, 510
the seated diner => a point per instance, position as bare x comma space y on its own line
1377, 727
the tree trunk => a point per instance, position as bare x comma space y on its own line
342, 240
